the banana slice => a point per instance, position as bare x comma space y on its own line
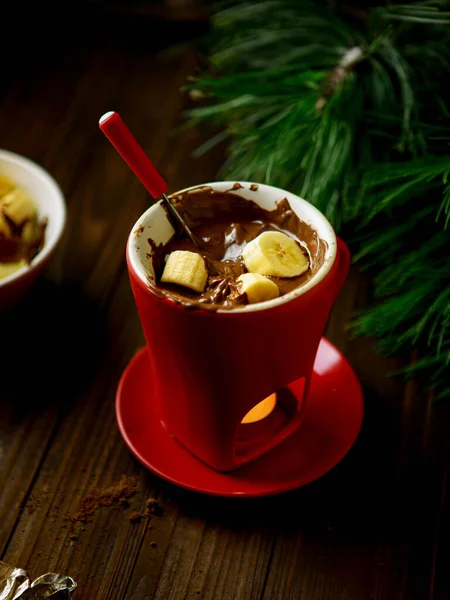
11, 267
187, 269
18, 206
275, 254
257, 287
5, 229
6, 185
29, 232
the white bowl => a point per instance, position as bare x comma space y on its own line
50, 203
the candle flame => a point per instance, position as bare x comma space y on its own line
261, 410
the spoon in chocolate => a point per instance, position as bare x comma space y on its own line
112, 125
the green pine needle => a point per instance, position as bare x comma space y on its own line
348, 109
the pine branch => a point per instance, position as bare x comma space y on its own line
418, 12
352, 115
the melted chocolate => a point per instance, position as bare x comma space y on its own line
224, 223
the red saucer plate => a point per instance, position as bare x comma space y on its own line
332, 419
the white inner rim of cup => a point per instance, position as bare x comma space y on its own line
154, 224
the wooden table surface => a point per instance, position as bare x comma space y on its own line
376, 526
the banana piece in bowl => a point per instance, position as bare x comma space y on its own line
21, 235
6, 185
18, 207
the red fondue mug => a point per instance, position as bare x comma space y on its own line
208, 369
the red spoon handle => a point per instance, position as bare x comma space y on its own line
126, 145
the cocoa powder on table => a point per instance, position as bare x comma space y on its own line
135, 517
94, 499
152, 508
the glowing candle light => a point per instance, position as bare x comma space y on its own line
261, 410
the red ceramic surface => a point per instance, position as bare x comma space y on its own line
215, 366
330, 424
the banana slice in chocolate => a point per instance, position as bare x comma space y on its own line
187, 269
257, 287
275, 254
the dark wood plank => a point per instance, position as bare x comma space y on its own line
20, 435
211, 555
